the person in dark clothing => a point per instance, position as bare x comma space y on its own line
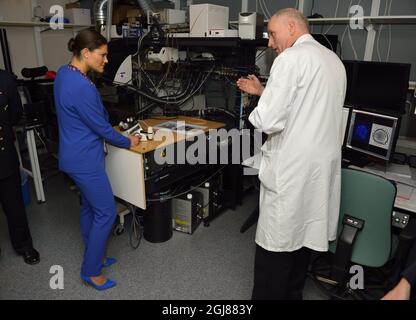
11, 197
406, 287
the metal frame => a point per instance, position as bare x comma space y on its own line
35, 172
34, 163
371, 35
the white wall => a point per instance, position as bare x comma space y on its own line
22, 40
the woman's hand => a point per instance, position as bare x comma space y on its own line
251, 85
134, 140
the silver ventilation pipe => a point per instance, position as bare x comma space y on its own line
109, 19
100, 16
103, 13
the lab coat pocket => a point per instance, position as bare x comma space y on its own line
268, 172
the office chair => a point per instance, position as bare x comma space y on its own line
39, 106
364, 238
38, 125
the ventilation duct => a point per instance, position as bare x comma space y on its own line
100, 13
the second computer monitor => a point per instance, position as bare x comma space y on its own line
377, 86
372, 134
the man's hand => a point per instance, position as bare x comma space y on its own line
251, 85
400, 292
134, 140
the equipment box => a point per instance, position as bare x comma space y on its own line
187, 212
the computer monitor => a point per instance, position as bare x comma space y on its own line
372, 133
377, 86
345, 117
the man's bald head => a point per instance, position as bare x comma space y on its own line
294, 15
285, 27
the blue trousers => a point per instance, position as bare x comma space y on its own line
98, 213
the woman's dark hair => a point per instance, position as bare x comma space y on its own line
87, 38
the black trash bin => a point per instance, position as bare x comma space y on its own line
157, 220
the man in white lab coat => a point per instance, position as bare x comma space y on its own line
300, 110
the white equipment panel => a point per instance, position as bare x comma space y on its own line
125, 172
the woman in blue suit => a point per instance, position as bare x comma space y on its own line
83, 128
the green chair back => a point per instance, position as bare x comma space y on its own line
371, 198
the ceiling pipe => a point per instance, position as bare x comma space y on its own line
103, 13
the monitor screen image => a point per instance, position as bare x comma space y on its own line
377, 86
372, 133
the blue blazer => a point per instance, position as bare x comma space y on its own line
83, 123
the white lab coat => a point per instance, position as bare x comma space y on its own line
300, 171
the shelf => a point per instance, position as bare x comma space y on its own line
367, 20
37, 24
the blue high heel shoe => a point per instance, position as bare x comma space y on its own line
107, 285
109, 262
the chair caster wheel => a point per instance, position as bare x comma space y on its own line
119, 230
